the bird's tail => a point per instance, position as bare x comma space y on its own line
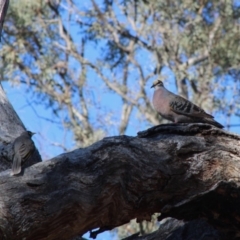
16, 166
213, 122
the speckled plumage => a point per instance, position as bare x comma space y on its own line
178, 109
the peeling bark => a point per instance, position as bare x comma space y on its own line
186, 171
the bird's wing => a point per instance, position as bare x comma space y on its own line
26, 148
3, 11
16, 166
182, 106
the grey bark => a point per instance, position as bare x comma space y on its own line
11, 127
185, 171
172, 229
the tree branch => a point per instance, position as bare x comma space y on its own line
172, 169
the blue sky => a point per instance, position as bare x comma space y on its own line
35, 118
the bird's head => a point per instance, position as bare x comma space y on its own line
157, 83
30, 134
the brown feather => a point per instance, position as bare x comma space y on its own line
182, 106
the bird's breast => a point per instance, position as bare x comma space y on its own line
160, 102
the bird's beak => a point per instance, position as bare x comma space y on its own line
33, 133
152, 86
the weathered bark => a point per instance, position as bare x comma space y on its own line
11, 125
185, 171
172, 229
10, 128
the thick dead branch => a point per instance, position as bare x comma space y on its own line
185, 171
11, 125
172, 229
10, 128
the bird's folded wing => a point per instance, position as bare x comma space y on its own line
26, 149
16, 166
182, 106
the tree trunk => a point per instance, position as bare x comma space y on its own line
11, 127
185, 171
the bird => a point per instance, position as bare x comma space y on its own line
3, 11
178, 109
23, 148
